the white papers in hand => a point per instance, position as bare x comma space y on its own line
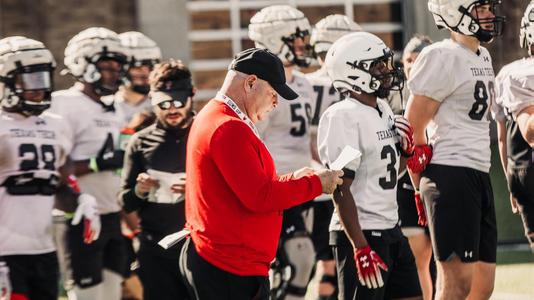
163, 193
347, 155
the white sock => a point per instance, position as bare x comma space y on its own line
90, 293
111, 285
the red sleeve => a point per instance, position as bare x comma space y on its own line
235, 152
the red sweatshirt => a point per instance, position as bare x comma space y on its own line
234, 198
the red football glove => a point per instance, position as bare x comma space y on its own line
368, 264
422, 155
405, 132
420, 210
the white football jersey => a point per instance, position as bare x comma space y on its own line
514, 88
369, 130
324, 94
286, 130
93, 129
32, 148
463, 81
128, 110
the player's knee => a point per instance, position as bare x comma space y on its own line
301, 257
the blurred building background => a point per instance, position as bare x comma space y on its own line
206, 34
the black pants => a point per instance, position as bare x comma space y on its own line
400, 281
207, 282
108, 252
159, 271
34, 276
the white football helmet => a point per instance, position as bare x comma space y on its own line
330, 29
456, 16
25, 65
526, 34
276, 27
86, 48
361, 62
141, 49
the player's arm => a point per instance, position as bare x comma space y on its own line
419, 112
502, 136
313, 144
76, 204
347, 211
130, 195
525, 122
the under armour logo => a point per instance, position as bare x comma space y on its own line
468, 254
364, 262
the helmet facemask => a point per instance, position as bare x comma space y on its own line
101, 87
477, 23
384, 75
301, 60
130, 81
28, 89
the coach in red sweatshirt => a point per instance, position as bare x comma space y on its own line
234, 198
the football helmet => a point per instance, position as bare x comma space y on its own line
329, 30
26, 65
526, 34
84, 51
456, 16
276, 27
142, 51
361, 62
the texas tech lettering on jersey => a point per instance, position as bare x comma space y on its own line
32, 150
463, 81
94, 128
369, 130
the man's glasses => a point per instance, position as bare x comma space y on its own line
167, 104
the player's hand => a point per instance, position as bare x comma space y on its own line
405, 132
302, 172
5, 283
368, 264
513, 203
179, 188
107, 159
330, 179
420, 210
421, 157
145, 183
87, 208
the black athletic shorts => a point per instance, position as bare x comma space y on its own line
35, 277
108, 252
159, 270
401, 280
406, 202
461, 213
322, 214
204, 281
521, 185
293, 222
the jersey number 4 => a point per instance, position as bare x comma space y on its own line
29, 154
481, 100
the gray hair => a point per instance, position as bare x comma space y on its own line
416, 44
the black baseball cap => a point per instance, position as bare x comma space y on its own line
265, 65
172, 90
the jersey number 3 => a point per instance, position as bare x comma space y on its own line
389, 183
481, 100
